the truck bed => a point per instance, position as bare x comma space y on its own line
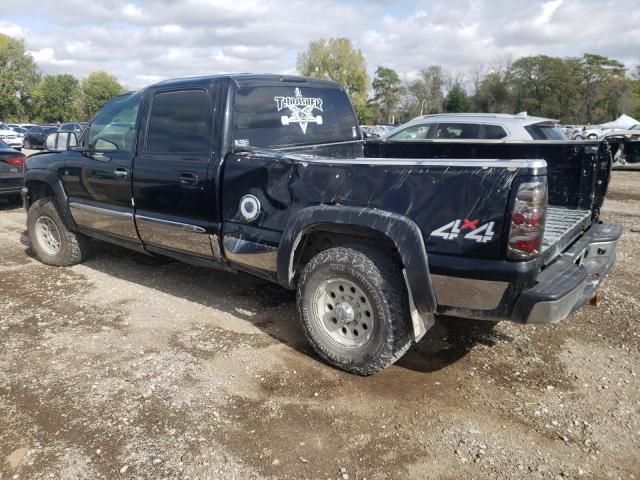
562, 227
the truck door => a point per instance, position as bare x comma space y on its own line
172, 189
98, 179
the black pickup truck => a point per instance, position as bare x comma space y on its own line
269, 175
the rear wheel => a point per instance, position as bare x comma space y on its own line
52, 241
354, 308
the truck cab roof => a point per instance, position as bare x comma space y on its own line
249, 80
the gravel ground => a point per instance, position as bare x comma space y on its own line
133, 367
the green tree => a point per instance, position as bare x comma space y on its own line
493, 95
97, 89
544, 86
635, 94
56, 97
457, 100
18, 75
388, 91
603, 83
337, 59
426, 94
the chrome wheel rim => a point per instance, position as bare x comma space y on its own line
345, 313
48, 235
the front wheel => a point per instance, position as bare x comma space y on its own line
52, 241
354, 308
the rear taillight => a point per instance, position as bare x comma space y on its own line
15, 161
527, 220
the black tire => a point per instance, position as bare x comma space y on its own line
381, 280
74, 247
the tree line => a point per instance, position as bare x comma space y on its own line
590, 89
28, 95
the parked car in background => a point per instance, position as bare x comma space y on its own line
477, 126
633, 131
36, 137
28, 125
625, 147
369, 132
573, 132
11, 172
71, 127
11, 138
12, 126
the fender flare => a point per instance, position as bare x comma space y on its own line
53, 180
403, 232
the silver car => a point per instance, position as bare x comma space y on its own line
477, 126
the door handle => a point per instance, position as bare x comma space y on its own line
121, 173
188, 180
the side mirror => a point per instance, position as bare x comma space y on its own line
61, 141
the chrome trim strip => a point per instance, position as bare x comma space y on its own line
177, 236
184, 226
469, 293
108, 220
103, 211
250, 254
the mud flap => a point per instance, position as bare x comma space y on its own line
421, 323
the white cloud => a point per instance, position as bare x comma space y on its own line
548, 9
12, 29
147, 40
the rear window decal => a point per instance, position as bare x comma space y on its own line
301, 110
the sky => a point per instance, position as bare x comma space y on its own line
144, 41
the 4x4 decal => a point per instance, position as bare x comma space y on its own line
480, 234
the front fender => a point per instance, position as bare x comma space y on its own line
403, 232
53, 181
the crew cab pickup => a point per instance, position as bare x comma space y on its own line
269, 175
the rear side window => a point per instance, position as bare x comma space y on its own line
179, 123
494, 132
545, 132
415, 132
458, 131
281, 116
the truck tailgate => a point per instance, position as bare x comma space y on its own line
563, 226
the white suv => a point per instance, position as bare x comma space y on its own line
477, 126
11, 138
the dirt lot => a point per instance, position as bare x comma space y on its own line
133, 367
